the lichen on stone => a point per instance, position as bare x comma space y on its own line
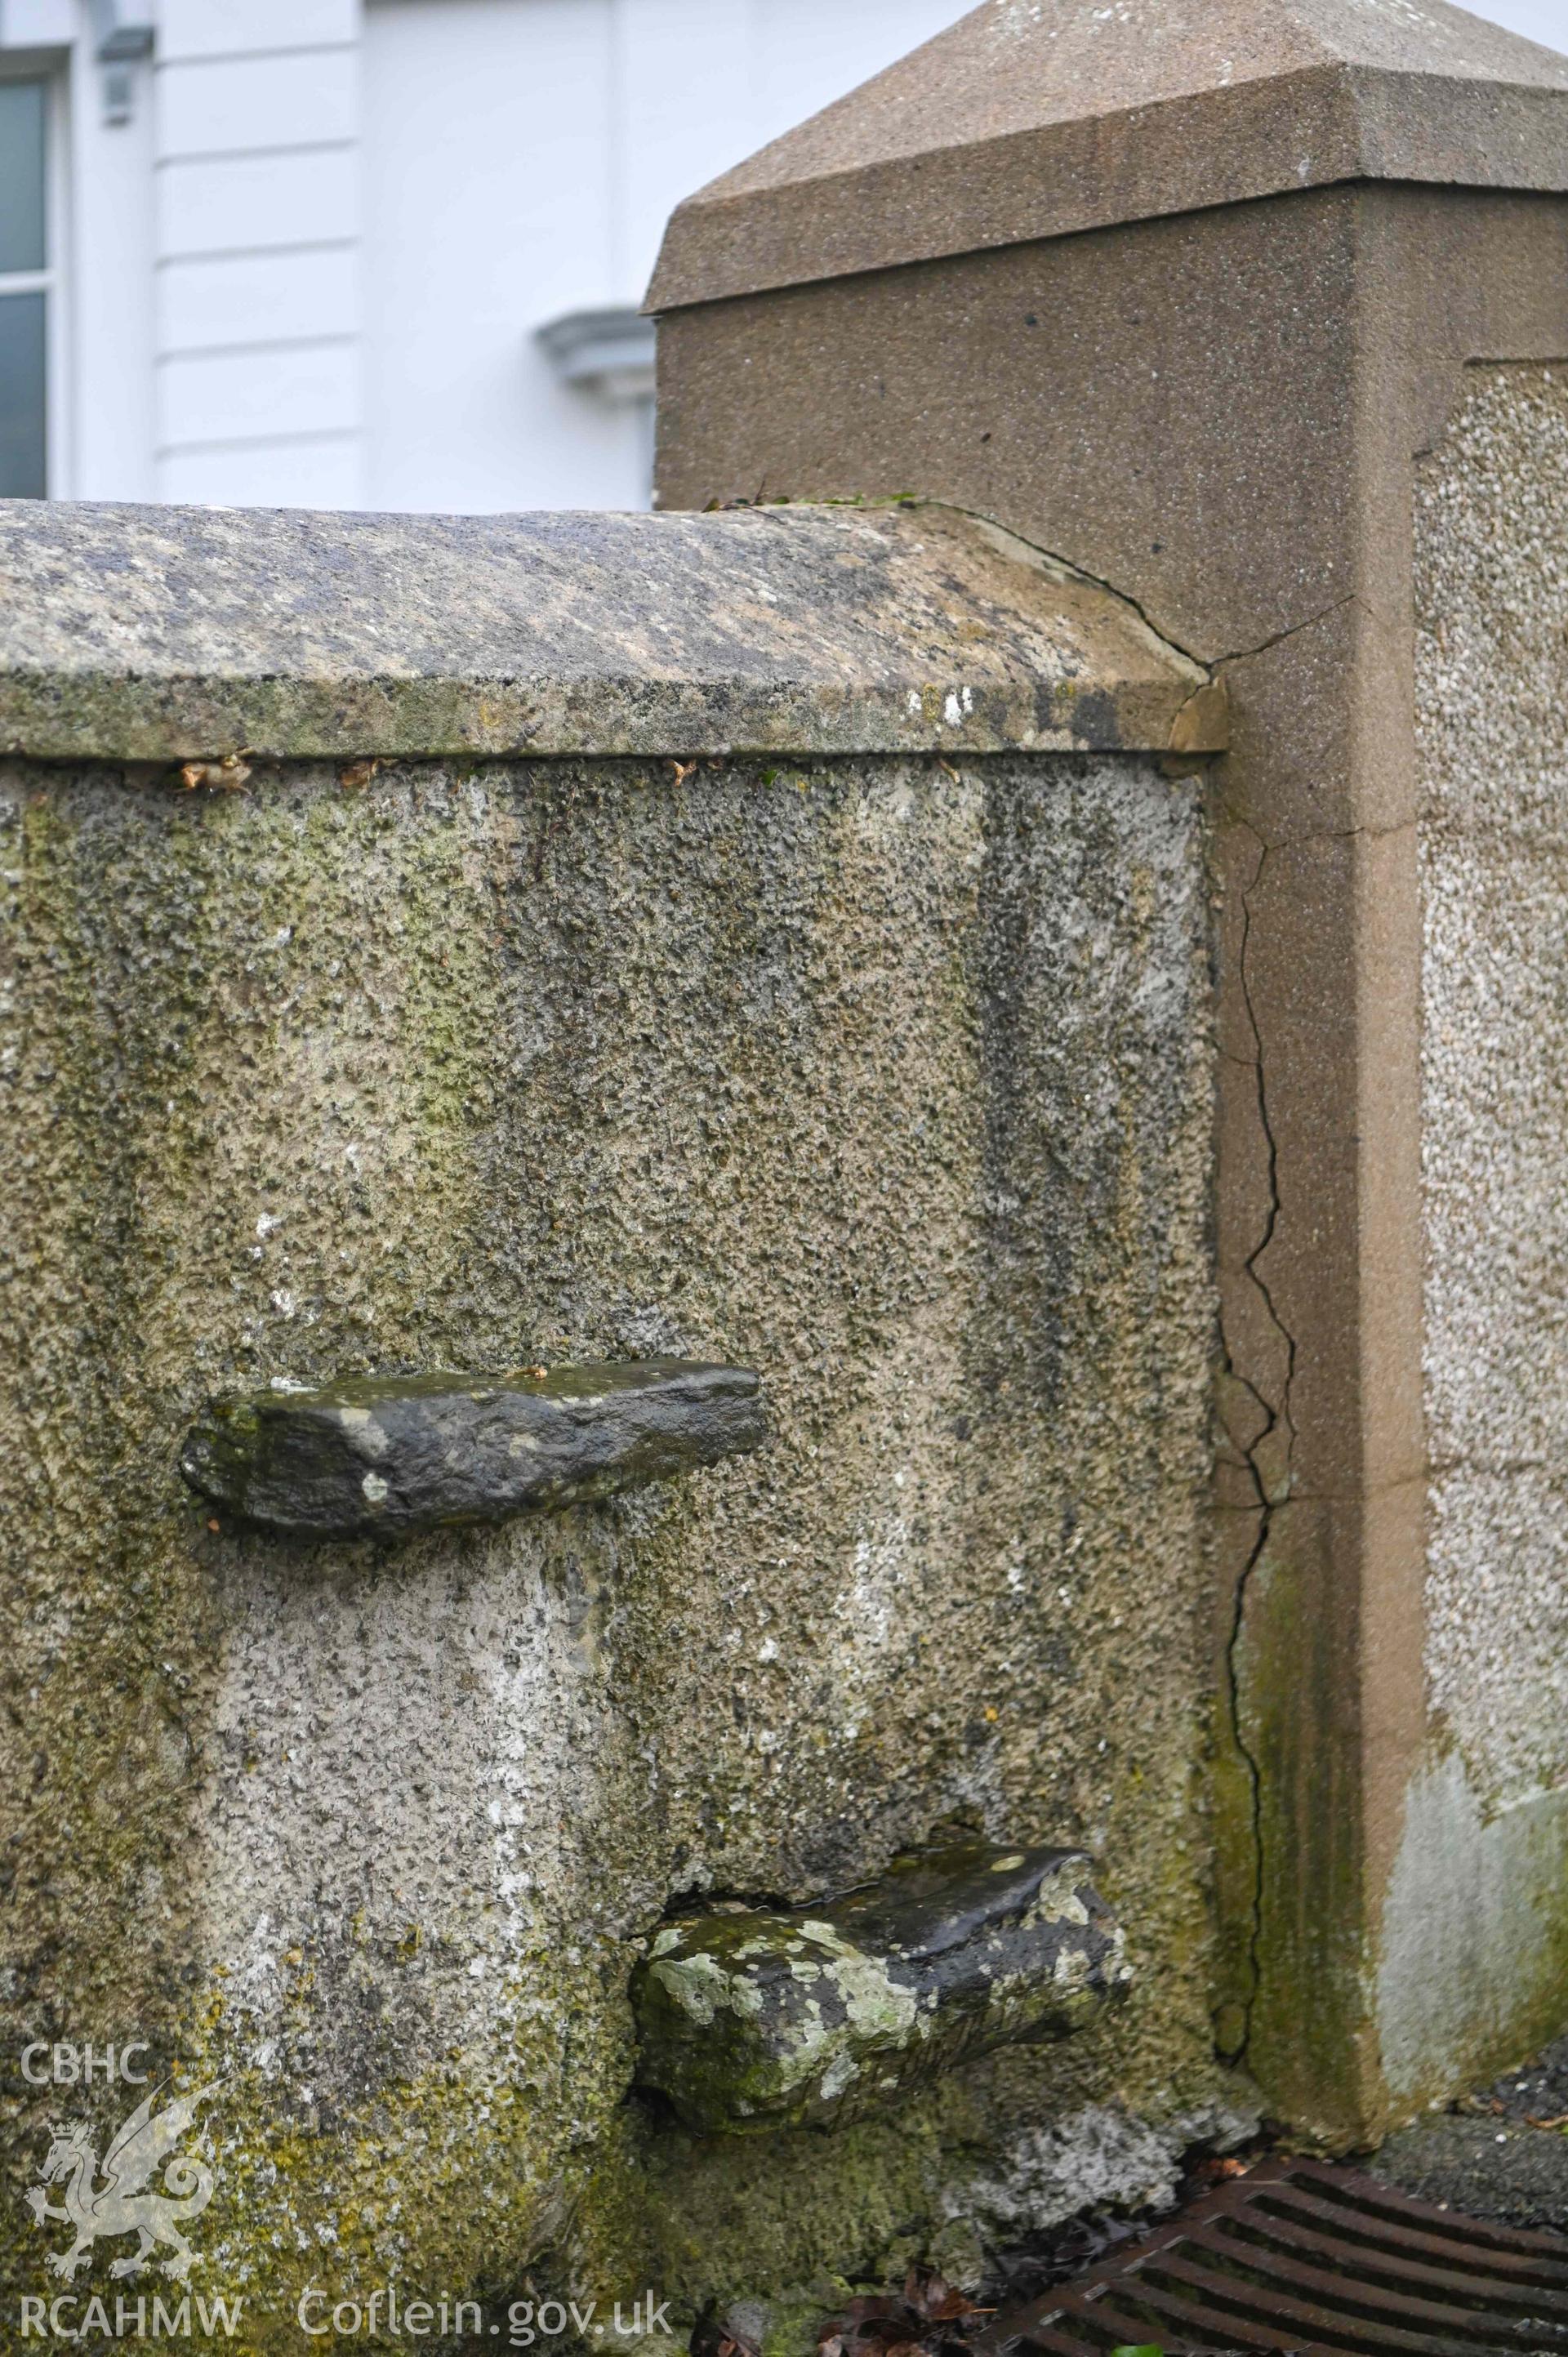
948, 1956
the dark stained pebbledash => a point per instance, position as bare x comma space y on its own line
753, 2019
395, 1455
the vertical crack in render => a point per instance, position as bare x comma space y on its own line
1268, 1498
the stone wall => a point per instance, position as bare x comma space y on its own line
888, 1076
1477, 1929
980, 274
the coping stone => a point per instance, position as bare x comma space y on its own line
197, 635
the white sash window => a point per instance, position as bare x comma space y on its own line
25, 288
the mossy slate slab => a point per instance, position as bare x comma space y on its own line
755, 2019
392, 1458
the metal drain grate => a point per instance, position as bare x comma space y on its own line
1303, 2258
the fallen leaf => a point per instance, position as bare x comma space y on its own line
933, 2297
953, 2305
723, 2341
226, 775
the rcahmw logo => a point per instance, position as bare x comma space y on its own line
123, 2194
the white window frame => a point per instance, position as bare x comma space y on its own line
48, 67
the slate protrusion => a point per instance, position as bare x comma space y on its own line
754, 2019
396, 1456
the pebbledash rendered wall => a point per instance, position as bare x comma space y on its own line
1488, 1815
879, 1060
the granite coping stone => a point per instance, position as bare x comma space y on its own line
193, 635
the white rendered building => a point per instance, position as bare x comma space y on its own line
302, 251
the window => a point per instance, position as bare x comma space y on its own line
25, 289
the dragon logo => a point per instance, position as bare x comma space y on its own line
120, 2202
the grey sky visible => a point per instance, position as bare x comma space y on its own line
1539, 20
